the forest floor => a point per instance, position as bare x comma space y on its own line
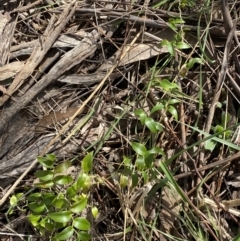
119, 120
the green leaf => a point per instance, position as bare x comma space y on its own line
84, 183
182, 45
94, 212
192, 61
60, 203
44, 175
149, 160
81, 224
158, 126
210, 145
126, 161
140, 163
19, 195
87, 162
45, 162
13, 200
34, 197
82, 178
169, 45
62, 168
157, 107
236, 238
218, 129
36, 207
48, 198
156, 150
34, 218
173, 111
63, 179
83, 236
139, 148
145, 176
142, 115
177, 20
59, 225
123, 181
151, 124
77, 207
44, 184
49, 226
51, 157
65, 234
173, 101
208, 136
168, 86
134, 180
61, 217
72, 191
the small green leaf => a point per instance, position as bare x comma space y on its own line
49, 226
156, 150
141, 114
140, 163
61, 217
62, 168
173, 111
169, 45
94, 212
145, 176
13, 200
37, 207
48, 198
60, 203
210, 145
19, 195
63, 179
173, 101
44, 184
139, 148
83, 236
236, 238
157, 107
82, 178
151, 124
149, 160
81, 224
218, 129
72, 191
192, 61
45, 162
79, 206
158, 126
182, 45
126, 161
34, 197
167, 86
134, 180
51, 157
33, 218
44, 175
123, 181
65, 234
86, 184
87, 162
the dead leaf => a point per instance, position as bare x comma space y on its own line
9, 70
136, 53
169, 213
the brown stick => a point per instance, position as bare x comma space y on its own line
209, 166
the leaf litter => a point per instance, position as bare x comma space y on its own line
54, 54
